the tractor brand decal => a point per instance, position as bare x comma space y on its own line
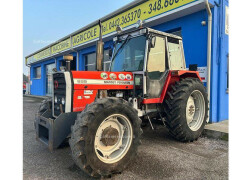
104, 75
86, 97
121, 76
147, 10
102, 82
128, 77
112, 76
88, 92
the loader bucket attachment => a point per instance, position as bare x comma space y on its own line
53, 131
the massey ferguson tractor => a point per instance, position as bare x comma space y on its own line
101, 112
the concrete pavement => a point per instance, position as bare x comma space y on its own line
159, 156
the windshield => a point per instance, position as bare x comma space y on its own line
129, 55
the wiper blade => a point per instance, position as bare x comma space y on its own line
125, 42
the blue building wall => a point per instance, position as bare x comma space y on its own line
194, 36
38, 86
221, 61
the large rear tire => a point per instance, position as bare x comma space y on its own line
105, 137
186, 108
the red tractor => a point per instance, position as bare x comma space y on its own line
101, 112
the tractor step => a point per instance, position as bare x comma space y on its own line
53, 131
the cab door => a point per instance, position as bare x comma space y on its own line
157, 67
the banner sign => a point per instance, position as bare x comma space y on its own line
61, 46
85, 36
144, 11
41, 55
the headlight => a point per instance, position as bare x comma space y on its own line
63, 101
55, 99
119, 94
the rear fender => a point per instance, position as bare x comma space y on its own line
173, 76
185, 74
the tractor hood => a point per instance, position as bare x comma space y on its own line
102, 80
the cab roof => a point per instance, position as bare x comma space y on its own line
150, 30
163, 33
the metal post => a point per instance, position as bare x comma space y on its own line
209, 40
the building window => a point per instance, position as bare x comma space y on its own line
90, 62
49, 78
37, 72
106, 60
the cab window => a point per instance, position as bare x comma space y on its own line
156, 59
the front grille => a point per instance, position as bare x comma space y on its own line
59, 92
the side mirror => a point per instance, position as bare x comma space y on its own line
110, 53
152, 42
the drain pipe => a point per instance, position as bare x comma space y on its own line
209, 42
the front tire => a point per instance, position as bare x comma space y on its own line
186, 108
105, 137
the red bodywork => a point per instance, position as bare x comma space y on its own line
173, 76
87, 84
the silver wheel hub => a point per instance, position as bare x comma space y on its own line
113, 138
195, 110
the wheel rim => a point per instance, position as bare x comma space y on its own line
113, 138
195, 110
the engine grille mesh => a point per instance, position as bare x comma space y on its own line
59, 92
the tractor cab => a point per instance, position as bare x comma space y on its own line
149, 54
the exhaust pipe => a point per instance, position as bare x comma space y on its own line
99, 50
68, 58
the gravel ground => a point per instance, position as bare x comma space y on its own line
159, 157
